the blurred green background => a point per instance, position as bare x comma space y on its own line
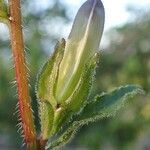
125, 59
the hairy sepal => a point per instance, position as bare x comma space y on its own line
82, 91
48, 76
47, 117
74, 104
46, 88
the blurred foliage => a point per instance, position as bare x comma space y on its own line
125, 59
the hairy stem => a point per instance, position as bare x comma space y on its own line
17, 44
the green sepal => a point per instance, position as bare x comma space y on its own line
105, 105
46, 85
47, 78
77, 100
47, 117
60, 116
3, 12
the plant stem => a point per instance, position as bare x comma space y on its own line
17, 44
41, 143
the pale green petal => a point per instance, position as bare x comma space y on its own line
82, 43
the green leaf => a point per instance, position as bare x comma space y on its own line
105, 105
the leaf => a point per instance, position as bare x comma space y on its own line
65, 137
105, 105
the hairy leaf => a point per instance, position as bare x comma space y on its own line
65, 137
105, 105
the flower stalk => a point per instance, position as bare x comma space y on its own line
17, 44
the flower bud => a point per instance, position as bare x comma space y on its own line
66, 79
83, 42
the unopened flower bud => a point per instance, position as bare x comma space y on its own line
66, 79
83, 42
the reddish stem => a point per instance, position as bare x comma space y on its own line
17, 44
41, 143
